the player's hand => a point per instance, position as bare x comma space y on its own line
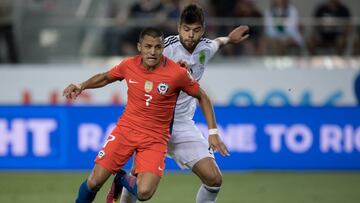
72, 91
239, 34
217, 144
184, 64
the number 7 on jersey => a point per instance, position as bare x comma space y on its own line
148, 99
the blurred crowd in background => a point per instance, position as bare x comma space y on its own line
50, 30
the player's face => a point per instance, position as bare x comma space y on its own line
151, 48
190, 34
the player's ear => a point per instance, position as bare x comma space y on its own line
202, 30
179, 27
139, 46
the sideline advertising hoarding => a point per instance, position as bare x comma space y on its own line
282, 138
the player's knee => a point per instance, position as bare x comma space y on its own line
214, 180
145, 194
93, 184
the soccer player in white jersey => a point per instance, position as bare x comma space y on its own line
187, 145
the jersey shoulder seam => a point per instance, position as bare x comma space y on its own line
171, 40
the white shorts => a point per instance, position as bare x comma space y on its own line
187, 150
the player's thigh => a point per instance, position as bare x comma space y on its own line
150, 158
188, 153
117, 150
208, 171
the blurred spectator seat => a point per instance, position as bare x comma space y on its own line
7, 33
282, 28
356, 50
221, 10
332, 28
118, 11
247, 9
152, 10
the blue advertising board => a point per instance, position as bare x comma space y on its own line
284, 138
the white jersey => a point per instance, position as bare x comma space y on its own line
204, 51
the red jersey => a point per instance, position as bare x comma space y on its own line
152, 94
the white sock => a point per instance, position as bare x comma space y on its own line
127, 197
207, 194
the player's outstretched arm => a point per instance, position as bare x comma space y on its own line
72, 91
215, 141
237, 35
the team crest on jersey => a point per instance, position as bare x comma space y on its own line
202, 57
101, 154
162, 88
148, 86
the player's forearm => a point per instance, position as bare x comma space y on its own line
207, 109
96, 81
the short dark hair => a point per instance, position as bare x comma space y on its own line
151, 31
191, 14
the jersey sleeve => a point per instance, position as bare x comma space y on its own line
187, 83
118, 71
168, 49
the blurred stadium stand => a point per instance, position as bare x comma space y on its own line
279, 114
69, 31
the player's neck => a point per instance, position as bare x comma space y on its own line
190, 50
150, 68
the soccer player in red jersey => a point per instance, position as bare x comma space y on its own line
154, 83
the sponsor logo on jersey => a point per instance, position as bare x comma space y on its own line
148, 86
132, 81
162, 88
101, 154
202, 57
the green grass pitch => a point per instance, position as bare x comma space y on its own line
250, 187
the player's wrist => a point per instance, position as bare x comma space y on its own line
223, 40
213, 131
226, 40
79, 86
